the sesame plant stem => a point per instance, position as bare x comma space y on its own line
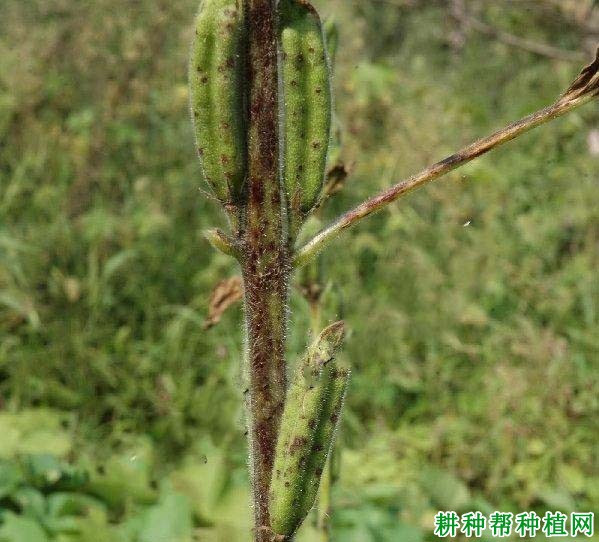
268, 183
584, 89
264, 261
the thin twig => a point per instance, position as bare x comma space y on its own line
584, 89
541, 49
583, 20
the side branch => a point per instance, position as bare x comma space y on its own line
584, 89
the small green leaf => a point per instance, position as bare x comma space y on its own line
47, 471
10, 478
21, 529
168, 521
445, 490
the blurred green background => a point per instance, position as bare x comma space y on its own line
474, 347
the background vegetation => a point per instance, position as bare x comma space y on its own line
473, 305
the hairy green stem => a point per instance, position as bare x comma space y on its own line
264, 262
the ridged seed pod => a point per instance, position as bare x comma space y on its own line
338, 380
216, 77
306, 111
311, 415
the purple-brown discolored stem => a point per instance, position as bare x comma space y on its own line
264, 261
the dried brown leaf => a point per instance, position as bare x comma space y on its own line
335, 178
586, 83
226, 293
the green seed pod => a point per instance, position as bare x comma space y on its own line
306, 111
338, 380
216, 77
311, 412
